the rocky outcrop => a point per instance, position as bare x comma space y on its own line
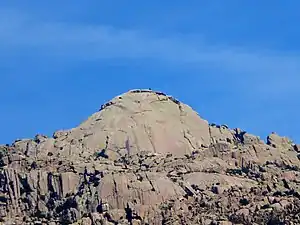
146, 158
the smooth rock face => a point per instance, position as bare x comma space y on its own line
146, 158
144, 121
137, 121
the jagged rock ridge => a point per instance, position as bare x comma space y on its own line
146, 158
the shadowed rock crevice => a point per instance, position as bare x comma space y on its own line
146, 158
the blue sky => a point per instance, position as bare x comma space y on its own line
235, 62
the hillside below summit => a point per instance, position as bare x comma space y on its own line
146, 158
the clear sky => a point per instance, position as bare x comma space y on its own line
235, 62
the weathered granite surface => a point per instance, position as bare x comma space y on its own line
146, 158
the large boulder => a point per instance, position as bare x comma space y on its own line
139, 120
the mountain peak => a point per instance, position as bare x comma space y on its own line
148, 121
146, 158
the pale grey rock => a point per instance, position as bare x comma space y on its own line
146, 158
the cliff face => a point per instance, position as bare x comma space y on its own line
146, 158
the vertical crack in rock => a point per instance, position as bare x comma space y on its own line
136, 140
188, 140
11, 190
38, 191
129, 214
127, 146
153, 188
116, 194
149, 135
60, 185
212, 139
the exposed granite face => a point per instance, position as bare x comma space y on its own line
146, 158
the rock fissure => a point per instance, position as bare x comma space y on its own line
149, 134
188, 140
